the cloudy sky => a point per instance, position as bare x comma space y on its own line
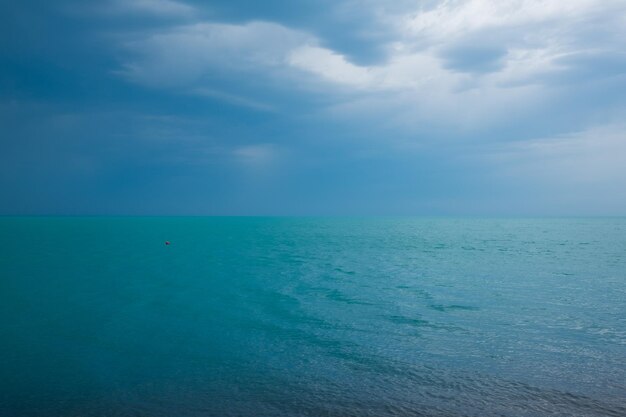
320, 107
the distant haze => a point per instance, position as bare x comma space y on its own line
313, 107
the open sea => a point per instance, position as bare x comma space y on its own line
312, 317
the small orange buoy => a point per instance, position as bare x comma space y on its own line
167, 243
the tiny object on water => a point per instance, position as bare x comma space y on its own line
167, 243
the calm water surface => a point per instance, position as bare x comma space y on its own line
312, 317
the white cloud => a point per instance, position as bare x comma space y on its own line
182, 55
455, 18
402, 72
531, 39
533, 33
330, 65
529, 51
587, 158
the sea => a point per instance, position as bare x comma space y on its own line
287, 316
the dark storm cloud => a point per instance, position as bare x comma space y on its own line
305, 107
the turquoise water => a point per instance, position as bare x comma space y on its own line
312, 317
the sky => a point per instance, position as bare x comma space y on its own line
313, 107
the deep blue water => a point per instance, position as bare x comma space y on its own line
312, 317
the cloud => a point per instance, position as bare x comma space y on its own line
183, 55
504, 43
464, 17
589, 157
330, 65
330, 102
591, 64
473, 58
460, 64
518, 33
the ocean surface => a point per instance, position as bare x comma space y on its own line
312, 317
